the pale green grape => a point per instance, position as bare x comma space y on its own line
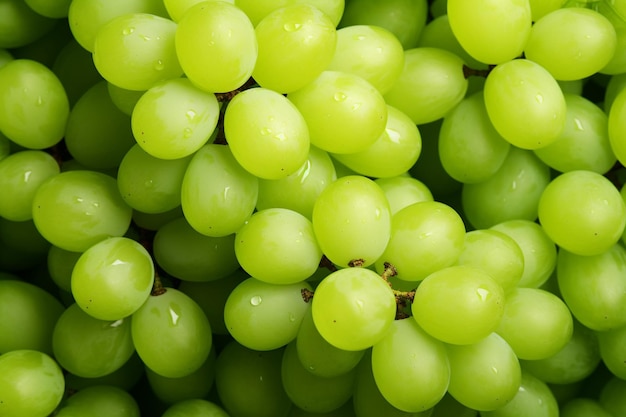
98, 134
60, 263
393, 153
525, 104
612, 396
536, 324
425, 237
584, 143
311, 392
177, 8
20, 25
136, 50
492, 31
589, 201
89, 347
188, 255
615, 12
603, 276
249, 382
426, 371
21, 173
195, 408
402, 191
53, 9
218, 207
583, 407
459, 305
572, 43
540, 8
171, 334
77, 209
296, 43
352, 221
344, 112
173, 119
263, 316
75, 69
484, 376
371, 52
430, 85
611, 343
278, 246
33, 104
513, 192
124, 99
257, 10
216, 46
495, 253
614, 86
100, 401
266, 133
470, 148
353, 308
149, 184
29, 314
113, 278
617, 126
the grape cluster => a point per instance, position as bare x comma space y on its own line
292, 208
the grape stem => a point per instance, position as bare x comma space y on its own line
157, 287
468, 72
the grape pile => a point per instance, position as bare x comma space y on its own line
297, 208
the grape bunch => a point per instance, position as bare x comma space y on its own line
293, 208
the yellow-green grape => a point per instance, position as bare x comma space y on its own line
344, 113
60, 264
50, 8
266, 133
100, 400
370, 52
20, 25
611, 352
402, 191
296, 43
257, 10
617, 126
75, 69
491, 31
525, 104
216, 46
124, 99
34, 107
612, 396
615, 12
430, 85
540, 8
177, 8
135, 51
571, 43
174, 118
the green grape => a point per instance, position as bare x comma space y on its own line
601, 275
617, 126
512, 193
614, 86
296, 43
460, 305
583, 407
525, 104
249, 382
426, 372
21, 173
615, 12
54, 9
533, 398
98, 134
495, 253
470, 149
491, 31
312, 392
173, 119
612, 396
589, 201
216, 46
113, 278
124, 99
344, 112
177, 8
45, 49
25, 238
584, 143
100, 401
405, 19
218, 207
393, 153
77, 209
536, 323
31, 384
352, 221
611, 343
20, 25
448, 406
264, 316
154, 221
126, 377
402, 191
60, 263
537, 248
573, 363
195, 408
353, 308
485, 375
299, 190
540, 8
33, 105
171, 334
29, 314
89, 347
257, 10
75, 69
425, 237
5, 57
371, 52
430, 85
572, 43
266, 133
319, 357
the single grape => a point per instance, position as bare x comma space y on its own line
75, 69
583, 407
612, 396
617, 126
402, 191
611, 344
126, 377
256, 10
195, 408
100, 401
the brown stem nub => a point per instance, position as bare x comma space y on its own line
307, 295
326, 263
356, 263
157, 287
468, 72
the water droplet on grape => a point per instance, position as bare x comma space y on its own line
39, 100
339, 96
146, 37
292, 317
359, 37
356, 106
483, 294
256, 300
174, 316
579, 124
494, 369
128, 30
304, 171
359, 304
148, 184
159, 65
27, 175
117, 323
311, 368
187, 132
292, 27
280, 136
539, 98
191, 114
266, 131
393, 135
